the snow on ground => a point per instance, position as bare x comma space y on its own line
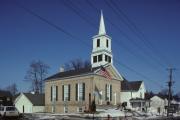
100, 113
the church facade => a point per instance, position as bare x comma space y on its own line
74, 90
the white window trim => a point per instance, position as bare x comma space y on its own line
79, 92
79, 110
67, 92
65, 109
53, 93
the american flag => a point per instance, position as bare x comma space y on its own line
105, 73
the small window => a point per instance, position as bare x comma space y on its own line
1, 108
98, 42
99, 58
109, 60
107, 43
94, 59
10, 108
80, 109
65, 109
106, 58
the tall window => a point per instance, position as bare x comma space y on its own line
66, 92
98, 42
109, 59
80, 91
99, 58
107, 43
108, 94
106, 58
94, 59
54, 93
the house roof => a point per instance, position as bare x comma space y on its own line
4, 93
72, 73
161, 96
150, 95
36, 99
130, 85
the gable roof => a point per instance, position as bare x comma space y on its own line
70, 73
130, 85
161, 96
86, 71
151, 95
4, 93
36, 99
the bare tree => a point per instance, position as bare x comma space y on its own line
36, 74
77, 64
164, 92
12, 88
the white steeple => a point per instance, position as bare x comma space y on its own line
101, 52
102, 30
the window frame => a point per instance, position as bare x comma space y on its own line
107, 43
100, 56
98, 43
95, 59
106, 58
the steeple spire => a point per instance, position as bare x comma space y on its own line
102, 30
101, 52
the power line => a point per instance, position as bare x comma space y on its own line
70, 35
144, 39
51, 24
77, 13
136, 30
137, 73
124, 34
125, 22
76, 8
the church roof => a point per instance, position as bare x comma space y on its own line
70, 73
130, 85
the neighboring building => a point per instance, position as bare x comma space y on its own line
5, 98
74, 90
158, 103
132, 92
30, 103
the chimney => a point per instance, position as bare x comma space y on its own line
61, 69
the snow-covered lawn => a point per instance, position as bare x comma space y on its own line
100, 113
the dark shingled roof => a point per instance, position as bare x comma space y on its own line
72, 73
4, 93
36, 99
130, 85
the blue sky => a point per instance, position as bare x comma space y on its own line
145, 37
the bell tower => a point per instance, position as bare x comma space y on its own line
101, 52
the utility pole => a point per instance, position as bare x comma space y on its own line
170, 82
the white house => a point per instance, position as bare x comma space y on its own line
158, 103
30, 103
132, 92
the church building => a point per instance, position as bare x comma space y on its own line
74, 90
